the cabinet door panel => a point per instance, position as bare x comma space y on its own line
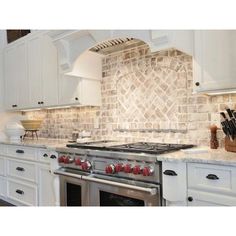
50, 73
35, 70
11, 80
214, 60
46, 186
200, 198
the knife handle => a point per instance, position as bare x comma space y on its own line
223, 115
229, 112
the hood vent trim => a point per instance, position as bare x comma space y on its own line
115, 45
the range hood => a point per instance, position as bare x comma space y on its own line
78, 48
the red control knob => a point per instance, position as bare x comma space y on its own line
78, 162
61, 159
86, 165
127, 168
68, 160
110, 169
147, 171
137, 170
119, 167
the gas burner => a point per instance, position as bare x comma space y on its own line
139, 147
152, 148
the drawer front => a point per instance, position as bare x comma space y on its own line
23, 193
215, 178
174, 181
3, 149
2, 166
3, 186
22, 152
22, 170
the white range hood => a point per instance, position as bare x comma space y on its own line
74, 46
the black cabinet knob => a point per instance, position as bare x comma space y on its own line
76, 98
197, 84
42, 102
39, 103
190, 199
45, 155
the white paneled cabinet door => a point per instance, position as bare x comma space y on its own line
35, 70
50, 72
16, 80
174, 178
46, 186
214, 61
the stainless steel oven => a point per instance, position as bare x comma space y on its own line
79, 188
110, 191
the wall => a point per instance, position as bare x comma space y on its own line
144, 98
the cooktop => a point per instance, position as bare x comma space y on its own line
139, 147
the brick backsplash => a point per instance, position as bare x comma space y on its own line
144, 95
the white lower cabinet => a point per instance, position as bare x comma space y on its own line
46, 186
25, 176
198, 184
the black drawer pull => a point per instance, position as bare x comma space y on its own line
212, 176
19, 191
20, 168
53, 157
45, 155
20, 151
170, 173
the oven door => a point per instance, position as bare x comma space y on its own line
73, 190
111, 191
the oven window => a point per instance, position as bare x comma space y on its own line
111, 199
73, 194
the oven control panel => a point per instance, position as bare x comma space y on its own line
114, 167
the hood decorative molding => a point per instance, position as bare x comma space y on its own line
73, 44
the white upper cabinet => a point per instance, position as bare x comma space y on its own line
214, 61
16, 78
43, 71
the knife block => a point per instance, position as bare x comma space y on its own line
230, 146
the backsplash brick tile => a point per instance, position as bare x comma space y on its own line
143, 91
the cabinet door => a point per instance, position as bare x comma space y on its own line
69, 90
50, 72
46, 186
214, 61
16, 80
201, 198
35, 70
174, 183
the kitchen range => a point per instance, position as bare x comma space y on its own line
104, 174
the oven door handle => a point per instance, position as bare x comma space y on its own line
61, 172
152, 191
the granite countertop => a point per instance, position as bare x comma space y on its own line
40, 143
201, 155
198, 154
